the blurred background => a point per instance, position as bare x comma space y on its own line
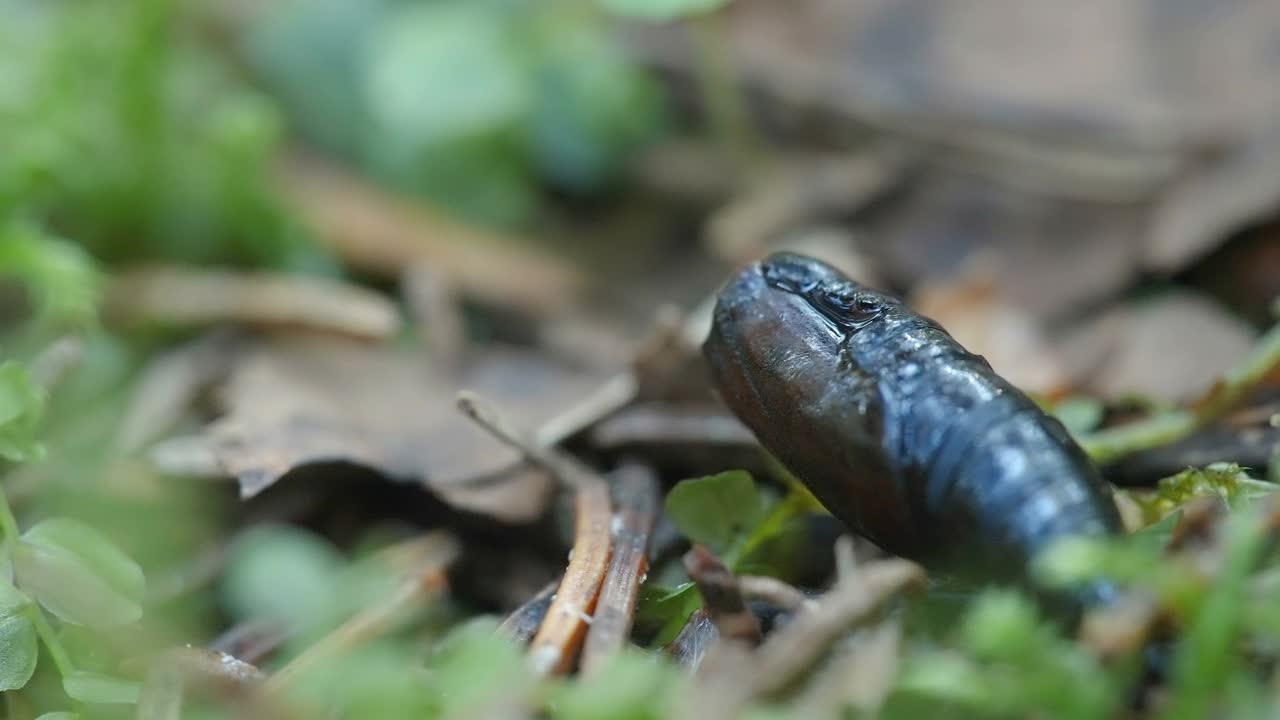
272, 237
1024, 169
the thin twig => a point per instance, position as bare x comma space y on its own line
555, 646
637, 500
721, 596
846, 558
796, 646
861, 676
186, 296
379, 232
775, 592
612, 395
566, 469
1113, 443
669, 425
731, 680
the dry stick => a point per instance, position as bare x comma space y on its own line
861, 676
523, 622
373, 621
637, 500
612, 395
619, 391
721, 596
556, 644
795, 647
564, 467
846, 558
672, 426
186, 296
732, 678
1110, 444
378, 232
775, 592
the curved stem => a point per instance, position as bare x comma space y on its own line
1113, 443
58, 653
10, 532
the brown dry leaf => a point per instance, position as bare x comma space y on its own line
1124, 146
1042, 253
1171, 348
296, 400
169, 385
375, 231
1219, 193
815, 187
174, 295
989, 325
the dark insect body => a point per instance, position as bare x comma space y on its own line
906, 437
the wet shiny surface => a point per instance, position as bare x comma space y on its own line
904, 435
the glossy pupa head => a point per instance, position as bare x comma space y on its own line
786, 312
775, 352
766, 334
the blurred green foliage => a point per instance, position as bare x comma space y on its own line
662, 9
128, 134
476, 105
21, 409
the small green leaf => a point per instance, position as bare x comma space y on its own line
368, 682
662, 10
474, 664
1155, 537
667, 609
60, 715
716, 511
18, 650
631, 686
22, 405
776, 544
1079, 413
60, 274
412, 82
283, 574
1072, 560
95, 688
948, 677
78, 574
1001, 624
1208, 655
1227, 481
